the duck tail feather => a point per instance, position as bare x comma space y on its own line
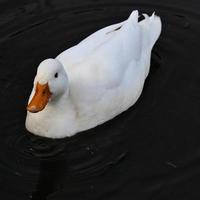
134, 17
151, 26
155, 28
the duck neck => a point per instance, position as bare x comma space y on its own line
62, 103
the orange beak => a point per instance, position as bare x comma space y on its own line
40, 98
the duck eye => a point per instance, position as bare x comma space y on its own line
56, 75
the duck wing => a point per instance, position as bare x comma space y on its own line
76, 54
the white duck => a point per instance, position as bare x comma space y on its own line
93, 81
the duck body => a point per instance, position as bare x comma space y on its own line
105, 76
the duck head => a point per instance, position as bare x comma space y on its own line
50, 83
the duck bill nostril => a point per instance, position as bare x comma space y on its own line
40, 98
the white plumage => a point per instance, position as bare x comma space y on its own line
98, 79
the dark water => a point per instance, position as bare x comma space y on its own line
152, 151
